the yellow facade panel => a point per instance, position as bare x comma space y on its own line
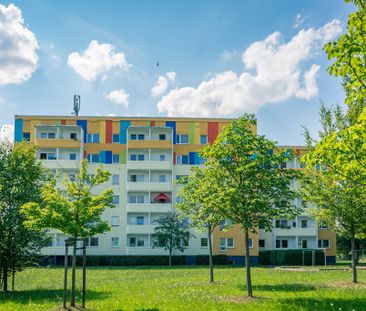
58, 143
327, 234
146, 144
96, 148
102, 127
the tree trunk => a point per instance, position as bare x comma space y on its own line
13, 280
210, 260
170, 258
5, 279
247, 264
73, 275
66, 259
84, 273
353, 252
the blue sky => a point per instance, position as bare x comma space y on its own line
216, 58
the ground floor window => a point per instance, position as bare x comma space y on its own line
323, 243
281, 243
136, 242
93, 241
115, 241
204, 242
226, 243
262, 243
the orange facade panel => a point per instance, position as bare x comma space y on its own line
327, 234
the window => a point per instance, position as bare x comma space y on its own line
95, 158
304, 243
323, 244
141, 136
73, 136
51, 135
115, 221
26, 136
137, 157
43, 156
137, 178
115, 200
281, 223
304, 223
181, 179
204, 242
133, 157
115, 158
281, 244
182, 139
162, 137
133, 137
262, 243
115, 242
136, 199
43, 135
92, 138
283, 165
226, 243
203, 139
162, 157
182, 159
162, 178
250, 243
115, 179
72, 156
136, 242
93, 241
140, 220
184, 242
115, 138
51, 156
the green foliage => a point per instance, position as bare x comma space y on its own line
171, 233
21, 177
74, 209
348, 53
249, 175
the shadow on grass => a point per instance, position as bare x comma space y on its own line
49, 295
321, 304
280, 287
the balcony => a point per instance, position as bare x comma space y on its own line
295, 232
150, 165
58, 143
149, 144
140, 229
147, 208
64, 164
149, 186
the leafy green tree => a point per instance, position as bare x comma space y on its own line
172, 232
348, 53
340, 157
201, 202
250, 175
73, 209
20, 180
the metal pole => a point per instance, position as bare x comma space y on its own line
303, 258
313, 258
65, 272
325, 258
84, 272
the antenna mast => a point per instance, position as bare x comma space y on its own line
76, 105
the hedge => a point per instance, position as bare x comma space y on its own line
290, 257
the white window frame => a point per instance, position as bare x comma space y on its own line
203, 246
115, 246
206, 139
179, 139
115, 179
114, 221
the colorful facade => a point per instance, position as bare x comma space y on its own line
146, 157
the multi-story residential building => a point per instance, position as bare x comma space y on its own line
147, 157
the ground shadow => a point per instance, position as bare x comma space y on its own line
49, 295
294, 287
321, 304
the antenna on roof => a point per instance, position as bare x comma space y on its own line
76, 105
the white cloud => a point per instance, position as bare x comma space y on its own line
228, 54
119, 97
97, 59
18, 47
7, 133
298, 20
274, 73
161, 85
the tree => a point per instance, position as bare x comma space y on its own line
251, 176
171, 233
21, 177
340, 157
201, 201
348, 53
74, 210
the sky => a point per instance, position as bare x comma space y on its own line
206, 58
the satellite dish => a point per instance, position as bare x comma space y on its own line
76, 105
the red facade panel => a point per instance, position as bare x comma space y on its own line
174, 158
152, 123
63, 122
108, 131
213, 131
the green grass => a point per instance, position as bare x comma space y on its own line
187, 288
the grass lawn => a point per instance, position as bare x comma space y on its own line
187, 288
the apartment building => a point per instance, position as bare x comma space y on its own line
146, 157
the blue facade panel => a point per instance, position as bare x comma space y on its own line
102, 156
18, 131
194, 158
123, 131
108, 157
172, 125
84, 125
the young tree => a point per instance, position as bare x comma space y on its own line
74, 210
20, 180
250, 175
201, 202
340, 180
171, 233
